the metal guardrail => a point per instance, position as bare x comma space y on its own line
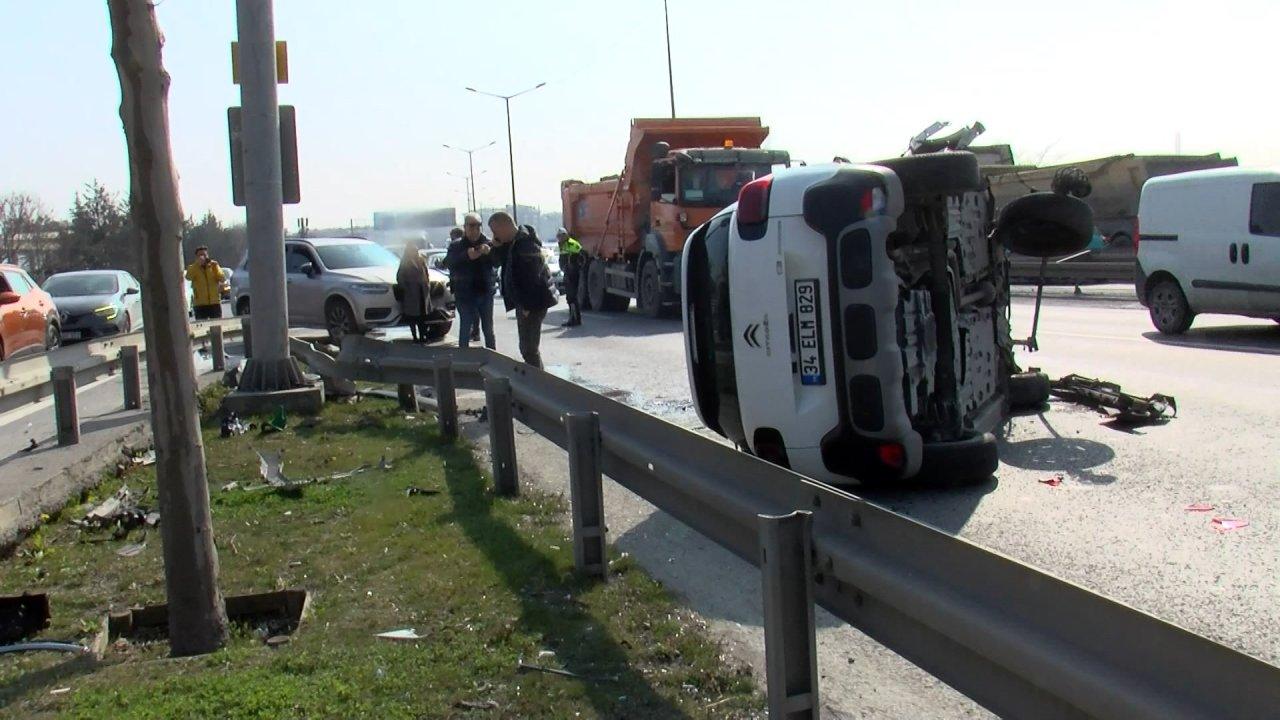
29, 379
1018, 641
1023, 271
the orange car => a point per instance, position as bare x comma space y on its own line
28, 317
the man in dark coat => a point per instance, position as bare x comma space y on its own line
525, 279
470, 260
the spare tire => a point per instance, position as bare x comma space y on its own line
1045, 225
944, 173
1028, 390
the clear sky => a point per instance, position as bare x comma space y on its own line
379, 86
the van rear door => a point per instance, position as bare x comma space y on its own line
1262, 269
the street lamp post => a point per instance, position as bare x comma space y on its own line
471, 168
511, 153
671, 83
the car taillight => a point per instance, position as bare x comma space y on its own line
753, 202
892, 455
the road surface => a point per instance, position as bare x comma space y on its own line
1117, 524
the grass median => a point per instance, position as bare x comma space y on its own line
487, 581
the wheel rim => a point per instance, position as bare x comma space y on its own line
339, 320
1166, 306
52, 338
649, 288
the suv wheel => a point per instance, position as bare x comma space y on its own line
52, 337
339, 320
1170, 312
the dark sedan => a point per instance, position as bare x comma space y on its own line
95, 303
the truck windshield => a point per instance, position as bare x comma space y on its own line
715, 385
716, 185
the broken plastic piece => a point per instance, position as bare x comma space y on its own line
411, 491
271, 468
132, 550
1054, 481
1199, 507
1222, 523
407, 634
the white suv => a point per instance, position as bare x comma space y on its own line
850, 321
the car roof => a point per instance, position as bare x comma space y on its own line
90, 272
1263, 174
322, 242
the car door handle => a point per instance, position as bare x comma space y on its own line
1233, 253
1244, 253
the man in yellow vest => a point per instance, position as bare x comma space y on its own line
571, 266
207, 285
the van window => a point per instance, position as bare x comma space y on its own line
1264, 210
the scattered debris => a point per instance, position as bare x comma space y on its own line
121, 512
523, 667
477, 705
383, 464
407, 634
44, 646
132, 550
276, 641
1224, 523
1054, 481
232, 425
230, 486
411, 491
276, 423
1102, 396
22, 616
60, 691
1199, 507
31, 446
271, 468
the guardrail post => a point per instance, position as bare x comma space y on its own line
408, 395
64, 404
586, 494
131, 377
502, 435
446, 398
246, 337
216, 349
790, 649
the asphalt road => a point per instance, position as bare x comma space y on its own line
1117, 524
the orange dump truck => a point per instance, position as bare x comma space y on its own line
678, 173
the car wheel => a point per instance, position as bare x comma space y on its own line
1028, 390
1168, 306
52, 337
650, 300
128, 323
339, 319
947, 173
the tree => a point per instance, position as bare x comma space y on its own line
24, 224
99, 233
226, 243
197, 615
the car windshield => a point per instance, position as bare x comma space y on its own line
717, 185
78, 285
356, 255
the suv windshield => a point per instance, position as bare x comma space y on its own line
356, 255
79, 285
717, 185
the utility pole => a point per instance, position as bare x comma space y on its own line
511, 153
471, 167
271, 368
671, 83
197, 615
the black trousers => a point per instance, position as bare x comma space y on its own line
208, 312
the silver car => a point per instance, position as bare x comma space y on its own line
345, 285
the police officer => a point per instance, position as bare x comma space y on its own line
571, 266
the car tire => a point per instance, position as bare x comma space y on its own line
52, 337
649, 299
961, 462
128, 324
1170, 312
1028, 390
1045, 225
439, 331
339, 320
947, 173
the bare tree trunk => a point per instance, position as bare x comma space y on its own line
197, 616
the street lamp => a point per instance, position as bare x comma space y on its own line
511, 157
671, 83
471, 166
468, 188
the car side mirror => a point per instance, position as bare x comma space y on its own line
8, 297
309, 269
131, 291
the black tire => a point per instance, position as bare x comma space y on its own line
946, 173
650, 298
128, 323
1028, 390
961, 462
52, 337
438, 332
1170, 312
242, 306
595, 285
339, 320
1045, 225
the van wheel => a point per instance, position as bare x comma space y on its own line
649, 301
1170, 312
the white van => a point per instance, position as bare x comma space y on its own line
1209, 242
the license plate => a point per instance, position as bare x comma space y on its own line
71, 335
809, 354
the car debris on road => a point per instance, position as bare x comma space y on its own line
1102, 396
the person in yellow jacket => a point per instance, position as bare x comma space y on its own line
207, 285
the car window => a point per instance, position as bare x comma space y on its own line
356, 255
295, 257
16, 282
1264, 210
81, 285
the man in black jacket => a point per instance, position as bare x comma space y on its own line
470, 261
525, 281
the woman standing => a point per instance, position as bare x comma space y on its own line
412, 279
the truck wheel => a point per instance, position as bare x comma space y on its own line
596, 279
1169, 310
947, 173
584, 297
650, 298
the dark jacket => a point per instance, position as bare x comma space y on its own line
525, 276
470, 277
